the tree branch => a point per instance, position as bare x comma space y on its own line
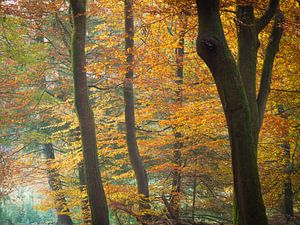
272, 49
264, 20
284, 90
104, 88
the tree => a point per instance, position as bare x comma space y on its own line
180, 126
56, 186
97, 199
236, 83
178, 145
133, 150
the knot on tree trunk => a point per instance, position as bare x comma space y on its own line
207, 44
206, 47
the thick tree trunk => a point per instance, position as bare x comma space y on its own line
248, 44
97, 199
237, 93
236, 86
55, 185
133, 150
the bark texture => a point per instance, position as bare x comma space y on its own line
133, 150
97, 199
85, 209
270, 54
56, 185
178, 145
247, 59
288, 195
236, 84
288, 188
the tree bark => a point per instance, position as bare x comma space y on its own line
235, 212
178, 145
176, 179
56, 185
247, 58
97, 199
85, 209
288, 207
288, 188
266, 77
133, 150
194, 192
236, 86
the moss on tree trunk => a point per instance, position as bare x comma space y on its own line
236, 86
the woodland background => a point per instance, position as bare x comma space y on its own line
180, 125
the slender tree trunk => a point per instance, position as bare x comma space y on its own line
85, 209
97, 199
133, 150
288, 208
178, 145
176, 179
54, 181
56, 185
288, 189
236, 87
194, 193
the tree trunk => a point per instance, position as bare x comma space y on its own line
85, 209
133, 150
176, 182
288, 189
194, 193
97, 199
247, 58
236, 87
288, 209
56, 186
178, 145
235, 212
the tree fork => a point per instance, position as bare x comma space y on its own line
213, 49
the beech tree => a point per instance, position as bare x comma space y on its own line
176, 180
56, 185
236, 84
179, 127
97, 199
133, 150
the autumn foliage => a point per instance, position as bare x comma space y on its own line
181, 129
